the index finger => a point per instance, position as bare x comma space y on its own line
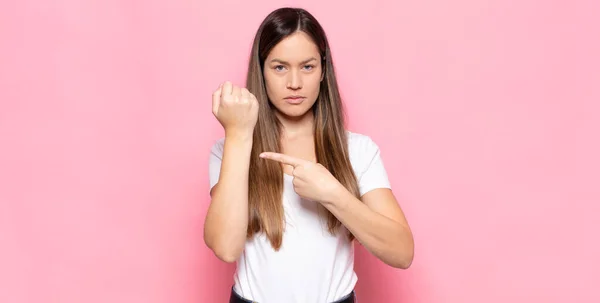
216, 98
227, 88
285, 159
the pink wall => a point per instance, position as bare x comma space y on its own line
486, 112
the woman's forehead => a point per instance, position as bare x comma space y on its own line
294, 49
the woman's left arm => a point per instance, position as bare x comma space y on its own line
377, 222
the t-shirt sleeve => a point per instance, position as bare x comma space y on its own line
214, 162
373, 174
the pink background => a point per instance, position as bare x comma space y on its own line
486, 113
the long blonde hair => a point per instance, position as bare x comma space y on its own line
265, 188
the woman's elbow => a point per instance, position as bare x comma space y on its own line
403, 262
224, 253
404, 258
227, 257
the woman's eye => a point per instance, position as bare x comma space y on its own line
279, 67
309, 67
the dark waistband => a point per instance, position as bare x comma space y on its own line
235, 298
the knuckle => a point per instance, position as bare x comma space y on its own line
228, 99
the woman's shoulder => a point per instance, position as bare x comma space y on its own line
218, 142
361, 148
217, 147
358, 141
359, 145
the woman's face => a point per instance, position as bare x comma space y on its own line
293, 74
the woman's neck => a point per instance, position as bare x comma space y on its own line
297, 126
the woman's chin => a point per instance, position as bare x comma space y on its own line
294, 113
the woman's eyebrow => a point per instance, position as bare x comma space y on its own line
285, 62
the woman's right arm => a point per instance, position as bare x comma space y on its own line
226, 223
227, 218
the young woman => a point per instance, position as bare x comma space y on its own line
290, 186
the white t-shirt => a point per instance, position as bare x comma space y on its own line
312, 265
